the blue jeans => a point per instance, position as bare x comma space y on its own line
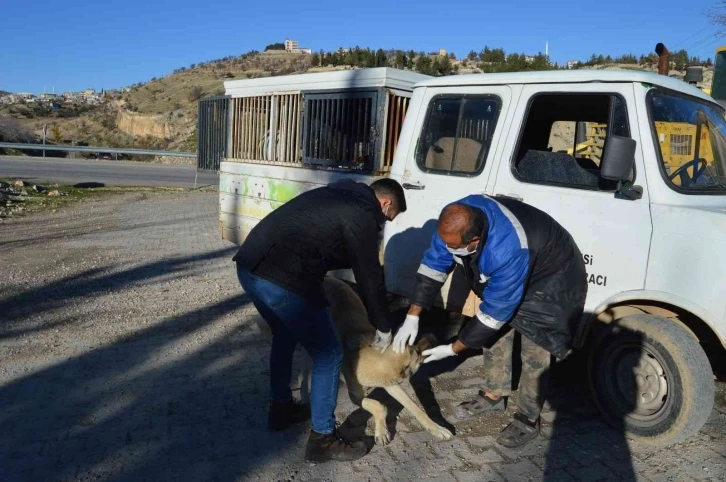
294, 319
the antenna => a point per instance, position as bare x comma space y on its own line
547, 49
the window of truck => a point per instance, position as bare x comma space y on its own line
457, 134
563, 139
691, 139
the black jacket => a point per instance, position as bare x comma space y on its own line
328, 228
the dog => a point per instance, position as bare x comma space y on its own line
366, 368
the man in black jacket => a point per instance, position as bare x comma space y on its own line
281, 266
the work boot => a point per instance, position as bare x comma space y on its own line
283, 414
333, 446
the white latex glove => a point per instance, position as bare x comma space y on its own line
406, 334
438, 353
381, 341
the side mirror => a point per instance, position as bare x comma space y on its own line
617, 163
618, 158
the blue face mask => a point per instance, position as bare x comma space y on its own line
460, 251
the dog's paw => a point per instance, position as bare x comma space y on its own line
383, 437
440, 432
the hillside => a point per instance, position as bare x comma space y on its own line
162, 113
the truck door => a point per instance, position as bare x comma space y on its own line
451, 142
546, 167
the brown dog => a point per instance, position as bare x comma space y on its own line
363, 367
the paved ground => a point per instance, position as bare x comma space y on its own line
128, 354
109, 173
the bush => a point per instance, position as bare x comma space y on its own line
276, 46
195, 93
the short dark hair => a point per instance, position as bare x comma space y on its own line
390, 189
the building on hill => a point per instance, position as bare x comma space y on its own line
290, 45
442, 52
572, 63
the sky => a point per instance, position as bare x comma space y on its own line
80, 44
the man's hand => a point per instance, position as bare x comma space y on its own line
406, 334
381, 341
438, 353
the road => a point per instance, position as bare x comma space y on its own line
109, 173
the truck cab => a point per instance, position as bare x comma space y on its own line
646, 205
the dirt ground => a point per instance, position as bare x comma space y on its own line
128, 353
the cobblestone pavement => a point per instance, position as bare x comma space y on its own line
127, 353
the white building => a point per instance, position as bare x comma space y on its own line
291, 45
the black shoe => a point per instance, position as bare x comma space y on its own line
519, 431
479, 407
283, 414
333, 446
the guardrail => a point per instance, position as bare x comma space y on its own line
110, 150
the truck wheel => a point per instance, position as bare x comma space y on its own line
650, 378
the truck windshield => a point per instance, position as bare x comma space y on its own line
691, 136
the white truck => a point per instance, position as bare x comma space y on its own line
645, 199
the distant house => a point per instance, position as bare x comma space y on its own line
572, 63
291, 45
442, 52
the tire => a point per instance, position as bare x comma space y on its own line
651, 379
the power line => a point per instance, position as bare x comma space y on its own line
708, 39
698, 33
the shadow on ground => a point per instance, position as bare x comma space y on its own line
136, 409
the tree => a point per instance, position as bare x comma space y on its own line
315, 61
423, 65
380, 58
472, 55
718, 13
55, 134
400, 60
442, 66
275, 46
195, 93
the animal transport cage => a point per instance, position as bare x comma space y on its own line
347, 120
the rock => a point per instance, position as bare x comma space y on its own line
54, 193
23, 192
39, 188
19, 184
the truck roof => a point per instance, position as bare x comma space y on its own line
333, 80
566, 76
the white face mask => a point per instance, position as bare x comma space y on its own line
460, 251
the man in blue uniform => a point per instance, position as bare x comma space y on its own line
531, 278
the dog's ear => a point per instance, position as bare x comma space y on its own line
427, 341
